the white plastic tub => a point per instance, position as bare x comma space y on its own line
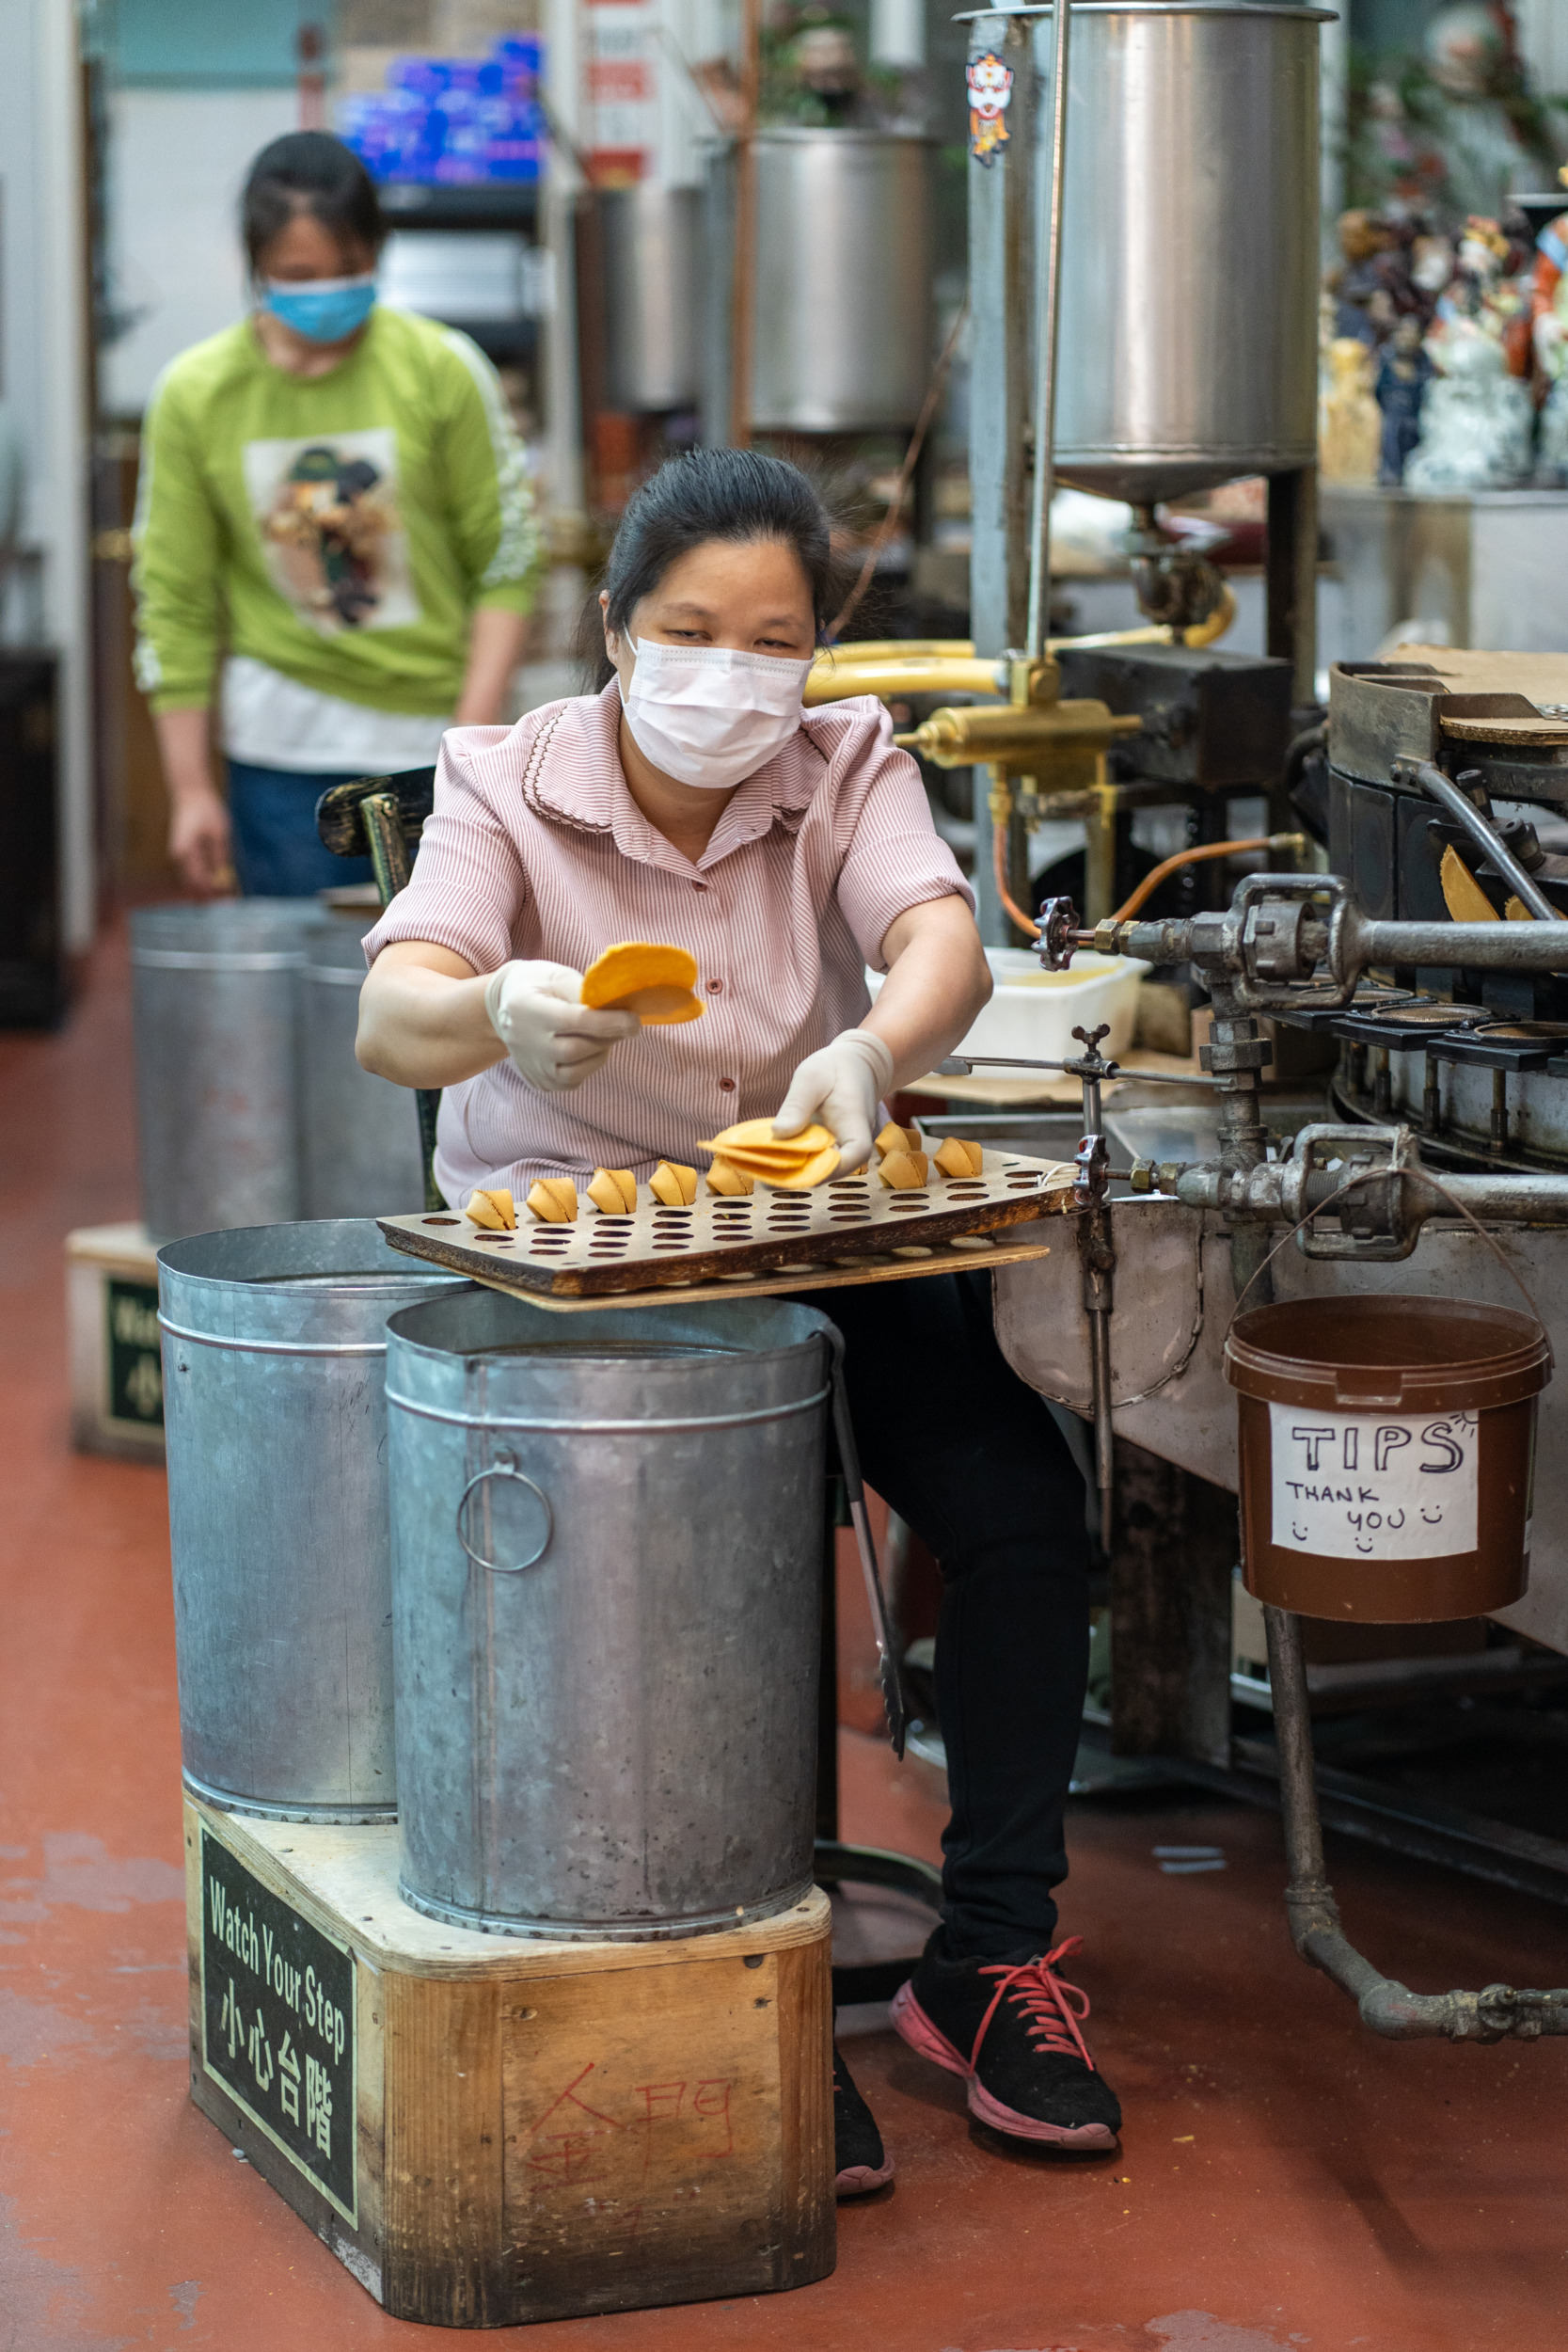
1034, 1013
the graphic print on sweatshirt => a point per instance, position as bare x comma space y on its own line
327, 511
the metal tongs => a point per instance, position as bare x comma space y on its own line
895, 1703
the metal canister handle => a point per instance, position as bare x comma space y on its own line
504, 1468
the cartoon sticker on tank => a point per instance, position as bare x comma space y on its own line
1373, 1485
990, 93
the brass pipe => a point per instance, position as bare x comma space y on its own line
1100, 846
887, 666
1017, 736
895, 648
1205, 632
949, 673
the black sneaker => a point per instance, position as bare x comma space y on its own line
858, 2155
1012, 2031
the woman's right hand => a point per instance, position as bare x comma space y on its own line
200, 841
553, 1039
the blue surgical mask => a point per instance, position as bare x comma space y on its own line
326, 309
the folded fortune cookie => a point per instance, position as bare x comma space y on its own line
906, 1171
673, 1183
613, 1191
554, 1200
492, 1210
958, 1158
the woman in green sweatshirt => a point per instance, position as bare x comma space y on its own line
334, 514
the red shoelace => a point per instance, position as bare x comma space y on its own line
1051, 2007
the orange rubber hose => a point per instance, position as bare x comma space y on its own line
1150, 884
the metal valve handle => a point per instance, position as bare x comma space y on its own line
504, 1466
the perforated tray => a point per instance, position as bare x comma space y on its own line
850, 1227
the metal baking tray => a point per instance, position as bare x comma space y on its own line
853, 1228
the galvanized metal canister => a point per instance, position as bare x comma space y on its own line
1190, 244
214, 1009
275, 1427
606, 1578
842, 317
359, 1135
653, 300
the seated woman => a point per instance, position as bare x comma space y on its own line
693, 800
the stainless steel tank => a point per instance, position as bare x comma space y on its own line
606, 1559
275, 1427
1189, 324
359, 1133
652, 304
843, 307
212, 997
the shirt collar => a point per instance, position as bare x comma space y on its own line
574, 775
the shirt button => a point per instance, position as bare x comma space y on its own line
726, 1086
714, 987
699, 885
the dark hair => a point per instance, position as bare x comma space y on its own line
734, 494
309, 172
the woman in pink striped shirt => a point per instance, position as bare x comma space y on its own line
693, 800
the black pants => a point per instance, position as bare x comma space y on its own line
968, 1457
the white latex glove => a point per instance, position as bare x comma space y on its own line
553, 1039
841, 1085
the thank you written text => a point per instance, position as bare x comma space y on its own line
1374, 1486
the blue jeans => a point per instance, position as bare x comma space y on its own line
277, 852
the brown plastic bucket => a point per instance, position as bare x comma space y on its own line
1388, 1449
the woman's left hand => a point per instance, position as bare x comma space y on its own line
841, 1085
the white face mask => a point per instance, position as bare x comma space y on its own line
709, 715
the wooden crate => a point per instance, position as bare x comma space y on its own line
487, 2130
117, 1384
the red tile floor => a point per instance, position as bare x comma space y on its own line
1284, 2180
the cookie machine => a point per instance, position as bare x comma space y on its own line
1143, 333
1439, 1172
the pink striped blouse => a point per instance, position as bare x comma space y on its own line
536, 848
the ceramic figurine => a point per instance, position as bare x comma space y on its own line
1456, 125
1403, 375
1350, 424
1394, 266
1356, 285
1550, 331
1478, 419
1480, 107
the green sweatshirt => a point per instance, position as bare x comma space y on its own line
342, 529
